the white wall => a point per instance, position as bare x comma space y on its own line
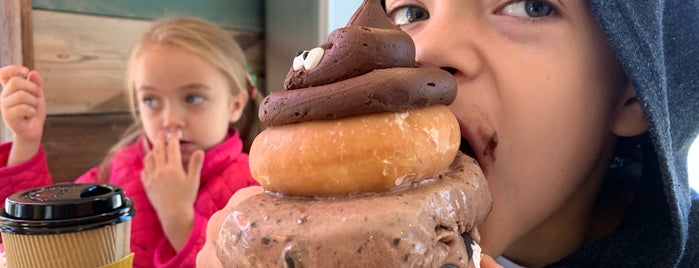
299, 25
339, 12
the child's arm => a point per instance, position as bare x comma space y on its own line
22, 162
23, 109
31, 173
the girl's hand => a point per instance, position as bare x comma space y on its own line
171, 189
23, 109
207, 256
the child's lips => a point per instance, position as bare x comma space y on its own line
187, 146
481, 141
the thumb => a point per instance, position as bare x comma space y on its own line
35, 78
196, 162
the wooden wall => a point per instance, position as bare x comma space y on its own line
15, 33
80, 47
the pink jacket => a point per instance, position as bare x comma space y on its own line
225, 171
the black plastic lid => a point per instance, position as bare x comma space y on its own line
64, 208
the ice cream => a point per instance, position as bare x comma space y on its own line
359, 161
415, 227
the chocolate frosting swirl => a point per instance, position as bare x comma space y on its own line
367, 67
383, 90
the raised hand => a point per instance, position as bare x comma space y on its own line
23, 109
171, 189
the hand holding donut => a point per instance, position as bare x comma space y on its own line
207, 256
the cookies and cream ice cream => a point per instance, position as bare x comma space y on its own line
416, 227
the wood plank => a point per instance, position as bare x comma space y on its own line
11, 31
10, 44
242, 15
74, 144
83, 58
27, 33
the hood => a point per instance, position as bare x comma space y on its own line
657, 43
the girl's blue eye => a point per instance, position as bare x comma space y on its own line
150, 102
194, 99
529, 9
408, 14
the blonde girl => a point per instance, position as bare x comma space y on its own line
182, 159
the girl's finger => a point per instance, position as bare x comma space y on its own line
8, 72
20, 97
149, 162
196, 161
159, 150
35, 78
18, 84
174, 156
146, 145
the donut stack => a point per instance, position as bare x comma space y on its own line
359, 161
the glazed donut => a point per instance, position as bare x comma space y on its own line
370, 153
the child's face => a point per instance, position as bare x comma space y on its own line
536, 91
178, 91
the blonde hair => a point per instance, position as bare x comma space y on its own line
212, 44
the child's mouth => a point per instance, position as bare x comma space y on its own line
466, 148
480, 144
186, 146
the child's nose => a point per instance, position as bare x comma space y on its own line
439, 45
430, 42
173, 118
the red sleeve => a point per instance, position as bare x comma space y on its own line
30, 174
165, 255
89, 177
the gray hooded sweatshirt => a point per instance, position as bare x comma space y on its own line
657, 42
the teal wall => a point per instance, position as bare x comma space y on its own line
245, 15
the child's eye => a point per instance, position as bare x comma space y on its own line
408, 14
150, 101
194, 99
528, 9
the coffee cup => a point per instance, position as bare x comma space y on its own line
68, 225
